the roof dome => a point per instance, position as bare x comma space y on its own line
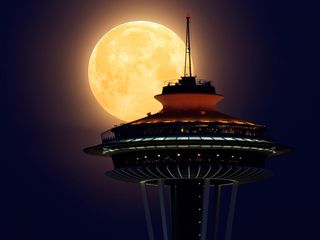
189, 101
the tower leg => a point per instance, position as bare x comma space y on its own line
231, 211
205, 208
163, 210
147, 210
216, 210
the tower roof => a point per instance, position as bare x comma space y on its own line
194, 116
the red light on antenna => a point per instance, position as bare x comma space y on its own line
188, 15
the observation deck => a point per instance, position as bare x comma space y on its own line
188, 134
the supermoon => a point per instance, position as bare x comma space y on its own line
129, 66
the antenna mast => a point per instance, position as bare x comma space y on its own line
188, 49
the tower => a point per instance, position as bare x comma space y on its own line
189, 149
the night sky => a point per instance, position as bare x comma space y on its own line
261, 55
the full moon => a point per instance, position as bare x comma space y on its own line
130, 64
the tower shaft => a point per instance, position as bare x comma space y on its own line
186, 205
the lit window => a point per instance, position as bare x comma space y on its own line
206, 138
194, 138
171, 138
145, 156
178, 154
137, 140
182, 138
183, 146
159, 138
228, 138
147, 139
205, 146
217, 138
248, 139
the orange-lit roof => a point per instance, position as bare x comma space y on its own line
193, 120
190, 107
201, 116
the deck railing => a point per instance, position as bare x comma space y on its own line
200, 82
173, 130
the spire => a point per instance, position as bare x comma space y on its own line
187, 57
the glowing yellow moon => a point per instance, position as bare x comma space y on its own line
130, 64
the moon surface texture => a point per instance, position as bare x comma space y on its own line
129, 66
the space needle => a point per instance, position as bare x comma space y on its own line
193, 154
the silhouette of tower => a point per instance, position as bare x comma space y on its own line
189, 149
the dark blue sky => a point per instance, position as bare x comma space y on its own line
261, 55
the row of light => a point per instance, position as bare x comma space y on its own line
271, 150
192, 121
184, 138
178, 155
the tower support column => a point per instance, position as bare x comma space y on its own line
163, 210
232, 207
216, 210
147, 210
205, 209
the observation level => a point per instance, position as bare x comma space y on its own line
188, 139
189, 148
